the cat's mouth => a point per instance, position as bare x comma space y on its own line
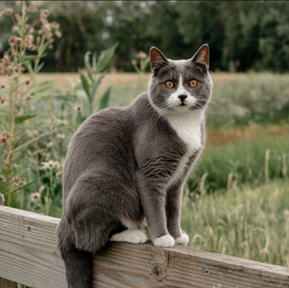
183, 104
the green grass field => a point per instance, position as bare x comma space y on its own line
237, 199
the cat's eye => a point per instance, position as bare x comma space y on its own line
170, 84
193, 83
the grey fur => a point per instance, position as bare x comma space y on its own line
118, 165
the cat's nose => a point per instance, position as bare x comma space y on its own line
183, 97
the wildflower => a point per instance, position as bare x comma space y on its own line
77, 108
50, 144
141, 55
2, 199
41, 189
194, 196
32, 47
19, 181
35, 196
62, 136
15, 28
2, 100
29, 38
58, 174
50, 164
11, 40
44, 13
55, 25
43, 166
31, 30
4, 138
8, 11
18, 40
57, 33
32, 8
133, 62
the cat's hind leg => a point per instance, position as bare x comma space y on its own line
130, 236
134, 234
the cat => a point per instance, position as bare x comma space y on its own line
128, 164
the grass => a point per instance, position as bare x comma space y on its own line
246, 222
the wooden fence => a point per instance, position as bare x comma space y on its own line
28, 256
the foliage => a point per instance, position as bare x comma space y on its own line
92, 81
246, 222
243, 35
37, 120
238, 156
19, 93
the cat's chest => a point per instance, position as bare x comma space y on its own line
188, 130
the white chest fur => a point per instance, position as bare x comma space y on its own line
188, 128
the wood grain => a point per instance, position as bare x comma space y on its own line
28, 256
6, 283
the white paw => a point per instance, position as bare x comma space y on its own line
164, 241
131, 236
183, 239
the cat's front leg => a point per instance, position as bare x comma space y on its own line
153, 200
173, 212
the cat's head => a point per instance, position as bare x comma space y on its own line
181, 86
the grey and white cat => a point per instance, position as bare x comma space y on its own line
128, 164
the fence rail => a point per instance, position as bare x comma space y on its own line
28, 256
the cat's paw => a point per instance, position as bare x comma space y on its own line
183, 239
130, 236
164, 241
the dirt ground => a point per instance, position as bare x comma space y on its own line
128, 79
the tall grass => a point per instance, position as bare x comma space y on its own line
242, 161
246, 222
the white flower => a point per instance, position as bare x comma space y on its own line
60, 136
43, 166
50, 144
35, 196
51, 164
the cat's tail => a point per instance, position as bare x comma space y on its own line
78, 263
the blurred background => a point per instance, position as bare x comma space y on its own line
243, 35
61, 61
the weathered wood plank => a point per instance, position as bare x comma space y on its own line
28, 255
6, 283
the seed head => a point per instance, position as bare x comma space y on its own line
5, 137
19, 181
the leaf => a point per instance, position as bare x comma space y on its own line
19, 187
85, 86
105, 99
105, 57
39, 67
87, 64
32, 57
94, 62
79, 118
96, 84
20, 119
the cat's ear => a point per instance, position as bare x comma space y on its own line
201, 58
158, 60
